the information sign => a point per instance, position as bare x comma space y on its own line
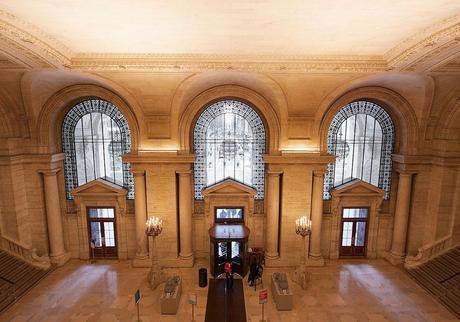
263, 296
192, 298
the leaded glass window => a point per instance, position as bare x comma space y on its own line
229, 141
95, 135
361, 135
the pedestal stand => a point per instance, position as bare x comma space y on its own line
156, 275
301, 275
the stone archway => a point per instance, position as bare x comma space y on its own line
49, 122
401, 112
265, 109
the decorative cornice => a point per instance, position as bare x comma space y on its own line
412, 54
33, 42
158, 157
299, 158
413, 160
48, 159
205, 62
422, 46
449, 68
49, 172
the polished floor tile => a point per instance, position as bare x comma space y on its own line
343, 290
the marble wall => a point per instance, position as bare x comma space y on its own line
295, 106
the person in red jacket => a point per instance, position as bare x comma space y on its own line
229, 275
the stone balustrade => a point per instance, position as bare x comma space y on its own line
427, 252
24, 252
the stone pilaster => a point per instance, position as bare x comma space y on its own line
401, 219
140, 204
58, 254
315, 258
185, 216
273, 205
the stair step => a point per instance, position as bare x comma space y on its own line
427, 282
15, 271
449, 265
452, 302
441, 276
455, 260
430, 273
5, 302
6, 264
22, 275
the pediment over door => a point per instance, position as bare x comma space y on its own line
357, 188
229, 187
356, 194
101, 193
229, 193
99, 188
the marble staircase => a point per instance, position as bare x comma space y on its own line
16, 278
441, 277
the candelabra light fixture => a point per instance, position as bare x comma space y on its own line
302, 228
153, 228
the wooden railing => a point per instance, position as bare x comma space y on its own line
427, 252
25, 253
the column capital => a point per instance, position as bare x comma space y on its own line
405, 172
49, 172
184, 172
319, 172
138, 173
274, 173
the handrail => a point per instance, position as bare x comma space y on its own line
24, 252
427, 252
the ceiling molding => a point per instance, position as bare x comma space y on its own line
449, 65
197, 63
426, 48
420, 52
32, 42
8, 61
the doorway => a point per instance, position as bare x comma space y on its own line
353, 241
228, 243
229, 251
102, 232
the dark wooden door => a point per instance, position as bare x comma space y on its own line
354, 227
102, 232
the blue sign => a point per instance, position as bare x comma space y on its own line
137, 296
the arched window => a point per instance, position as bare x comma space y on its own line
361, 135
95, 135
229, 141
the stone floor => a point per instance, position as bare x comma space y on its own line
344, 290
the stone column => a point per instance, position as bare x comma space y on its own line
273, 204
401, 218
185, 216
58, 254
315, 257
140, 208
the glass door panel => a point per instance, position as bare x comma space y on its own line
360, 233
96, 234
347, 229
354, 232
102, 233
229, 251
109, 234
